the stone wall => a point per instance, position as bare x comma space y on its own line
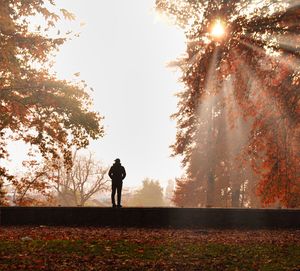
203, 218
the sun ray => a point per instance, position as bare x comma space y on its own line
237, 128
291, 61
258, 93
204, 108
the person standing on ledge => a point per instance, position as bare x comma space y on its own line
117, 174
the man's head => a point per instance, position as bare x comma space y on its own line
117, 161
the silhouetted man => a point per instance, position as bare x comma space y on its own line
117, 174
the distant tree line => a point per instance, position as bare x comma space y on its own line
150, 195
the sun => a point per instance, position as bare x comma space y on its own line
218, 29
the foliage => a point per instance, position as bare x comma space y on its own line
253, 69
36, 107
33, 187
43, 248
2, 193
215, 177
151, 194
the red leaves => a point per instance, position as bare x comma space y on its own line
255, 69
60, 248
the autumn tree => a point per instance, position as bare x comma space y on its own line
35, 106
32, 187
215, 177
151, 194
2, 192
242, 47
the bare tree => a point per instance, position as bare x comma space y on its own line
77, 185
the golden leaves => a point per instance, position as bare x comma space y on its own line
68, 15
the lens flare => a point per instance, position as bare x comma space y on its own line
218, 29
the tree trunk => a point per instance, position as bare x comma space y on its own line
210, 200
235, 197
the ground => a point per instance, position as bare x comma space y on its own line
61, 248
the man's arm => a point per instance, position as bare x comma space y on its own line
110, 173
123, 173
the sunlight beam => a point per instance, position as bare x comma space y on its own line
291, 61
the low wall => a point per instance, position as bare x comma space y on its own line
216, 218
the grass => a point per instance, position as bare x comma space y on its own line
113, 249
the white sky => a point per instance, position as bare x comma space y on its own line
122, 53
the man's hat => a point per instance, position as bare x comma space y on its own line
117, 160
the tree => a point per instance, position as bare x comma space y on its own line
241, 46
32, 187
215, 177
150, 195
2, 191
53, 182
36, 107
86, 178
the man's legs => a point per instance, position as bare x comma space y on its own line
113, 193
119, 192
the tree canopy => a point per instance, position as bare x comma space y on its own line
251, 66
35, 106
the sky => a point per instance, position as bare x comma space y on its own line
122, 53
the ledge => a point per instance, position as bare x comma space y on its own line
204, 218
